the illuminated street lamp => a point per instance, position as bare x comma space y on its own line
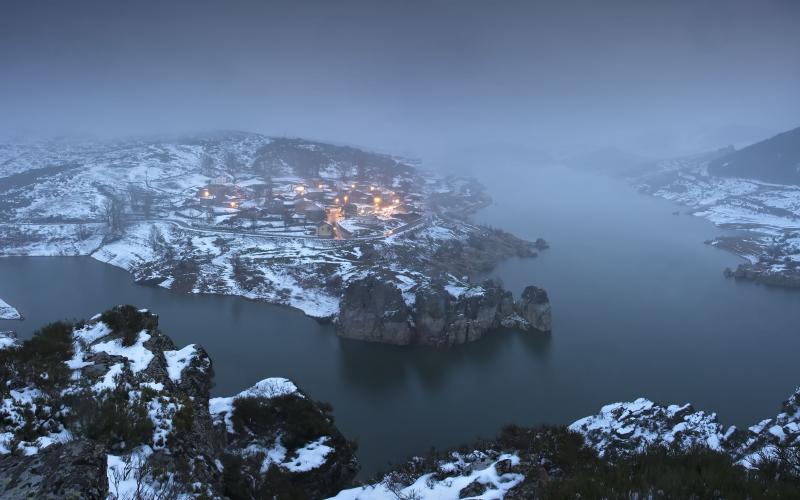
377, 200
345, 198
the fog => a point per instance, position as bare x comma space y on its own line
429, 79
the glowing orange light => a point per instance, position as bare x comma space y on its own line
377, 200
336, 200
345, 198
233, 204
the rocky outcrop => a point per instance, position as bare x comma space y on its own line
374, 309
534, 308
111, 408
72, 470
779, 274
274, 427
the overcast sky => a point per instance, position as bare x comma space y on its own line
407, 76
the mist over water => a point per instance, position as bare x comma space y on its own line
424, 78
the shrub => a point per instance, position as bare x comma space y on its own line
127, 321
113, 419
181, 424
41, 358
301, 420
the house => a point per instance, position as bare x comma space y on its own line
314, 212
350, 209
324, 230
356, 196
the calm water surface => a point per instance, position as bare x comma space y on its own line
640, 309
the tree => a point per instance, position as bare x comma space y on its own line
140, 199
232, 165
114, 209
156, 239
207, 165
268, 168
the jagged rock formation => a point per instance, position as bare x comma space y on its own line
109, 407
374, 309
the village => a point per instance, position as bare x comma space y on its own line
296, 207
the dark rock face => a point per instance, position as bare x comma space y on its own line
534, 307
72, 470
432, 314
374, 310
763, 273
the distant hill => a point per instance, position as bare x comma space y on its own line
776, 160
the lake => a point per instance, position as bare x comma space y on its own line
640, 308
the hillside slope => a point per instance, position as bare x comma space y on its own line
775, 160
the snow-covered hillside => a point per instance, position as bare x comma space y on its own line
230, 213
766, 216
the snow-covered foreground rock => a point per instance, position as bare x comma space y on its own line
634, 427
552, 462
123, 412
8, 312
